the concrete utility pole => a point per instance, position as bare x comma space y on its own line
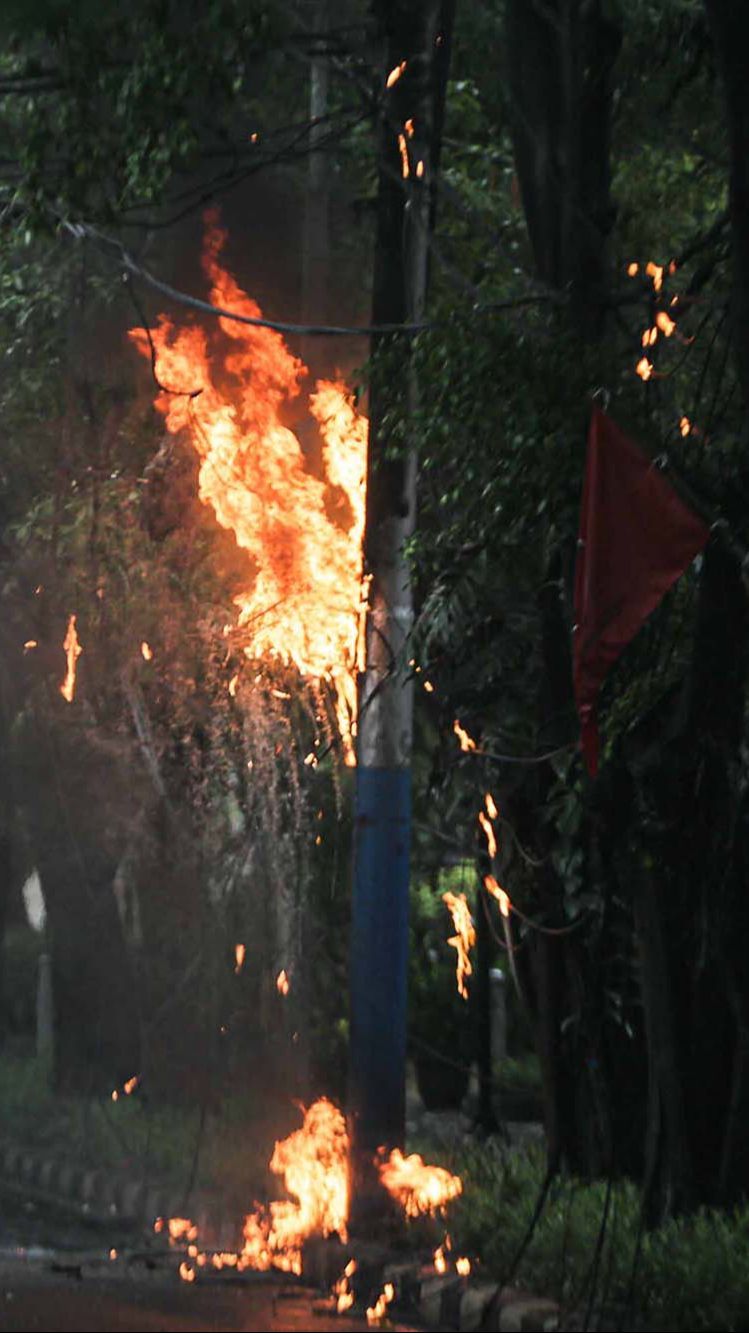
409, 134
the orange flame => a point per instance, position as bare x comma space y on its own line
408, 126
467, 743
378, 1311
496, 891
147, 651
314, 1164
655, 271
396, 73
440, 1262
187, 1272
30, 643
240, 953
302, 602
463, 1266
418, 1188
644, 368
685, 426
283, 985
420, 168
73, 650
405, 164
490, 835
665, 323
464, 938
633, 269
130, 1086
491, 808
342, 1289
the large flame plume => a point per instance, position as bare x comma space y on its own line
303, 599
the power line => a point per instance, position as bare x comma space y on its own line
84, 231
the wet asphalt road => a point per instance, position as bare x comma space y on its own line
56, 1277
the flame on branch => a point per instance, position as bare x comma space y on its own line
417, 1187
302, 601
72, 650
464, 938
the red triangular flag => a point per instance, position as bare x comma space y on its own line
636, 537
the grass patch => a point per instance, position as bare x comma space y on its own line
692, 1274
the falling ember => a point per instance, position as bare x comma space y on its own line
440, 1262
649, 337
113, 1254
233, 683
467, 743
187, 1272
405, 164
491, 807
395, 74
283, 985
464, 938
240, 953
130, 1086
685, 426
73, 650
428, 686
314, 1164
419, 1189
665, 323
408, 126
302, 600
147, 651
378, 1311
29, 644
420, 168
633, 269
490, 835
254, 137
496, 891
644, 368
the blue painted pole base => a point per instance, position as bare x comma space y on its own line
379, 958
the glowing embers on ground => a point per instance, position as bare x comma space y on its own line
302, 533
314, 1164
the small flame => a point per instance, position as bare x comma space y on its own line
181, 1228
633, 269
240, 953
665, 323
463, 1266
73, 650
419, 1189
490, 835
115, 1096
420, 168
30, 643
408, 126
428, 686
310, 760
491, 808
464, 938
496, 891
113, 1254
396, 73
440, 1262
130, 1086
342, 1289
147, 651
644, 368
283, 985
655, 271
649, 337
254, 137
233, 683
405, 164
685, 426
467, 743
378, 1311
187, 1272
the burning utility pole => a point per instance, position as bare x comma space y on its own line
416, 38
